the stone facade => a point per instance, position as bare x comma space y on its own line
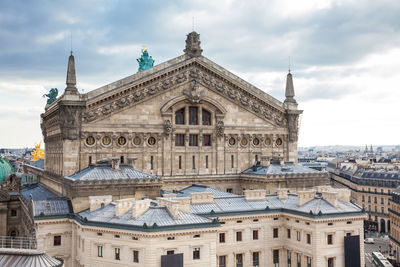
185, 117
264, 237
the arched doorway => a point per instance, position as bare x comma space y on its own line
383, 224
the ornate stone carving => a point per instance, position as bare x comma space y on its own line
193, 48
220, 128
167, 127
70, 121
209, 79
12, 183
194, 95
293, 126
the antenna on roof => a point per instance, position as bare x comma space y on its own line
71, 42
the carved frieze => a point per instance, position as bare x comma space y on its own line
199, 77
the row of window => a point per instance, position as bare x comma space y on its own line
117, 254
193, 116
275, 234
193, 140
239, 259
375, 199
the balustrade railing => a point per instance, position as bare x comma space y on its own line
17, 242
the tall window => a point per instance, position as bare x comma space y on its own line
330, 262
180, 162
255, 234
239, 260
232, 161
256, 259
222, 261
289, 259
151, 163
221, 237
196, 253
57, 240
206, 161
179, 139
276, 258
90, 160
308, 262
193, 116
135, 256
288, 233
193, 162
117, 253
206, 117
308, 238
180, 116
193, 139
99, 251
238, 236
276, 232
298, 236
330, 239
298, 260
206, 140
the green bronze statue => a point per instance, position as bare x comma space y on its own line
145, 61
52, 95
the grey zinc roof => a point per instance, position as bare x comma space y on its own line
158, 215
240, 204
24, 257
279, 169
45, 201
203, 189
106, 172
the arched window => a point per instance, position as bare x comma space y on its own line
180, 116
206, 117
193, 116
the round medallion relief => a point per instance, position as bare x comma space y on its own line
90, 140
232, 141
256, 141
244, 141
278, 142
106, 140
136, 141
121, 140
151, 141
268, 141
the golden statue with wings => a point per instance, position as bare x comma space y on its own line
37, 153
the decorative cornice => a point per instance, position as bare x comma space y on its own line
144, 89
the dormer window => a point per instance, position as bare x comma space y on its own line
180, 116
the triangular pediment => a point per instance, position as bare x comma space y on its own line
150, 83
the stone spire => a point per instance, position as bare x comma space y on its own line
71, 76
193, 48
289, 92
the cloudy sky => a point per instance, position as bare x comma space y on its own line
345, 56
